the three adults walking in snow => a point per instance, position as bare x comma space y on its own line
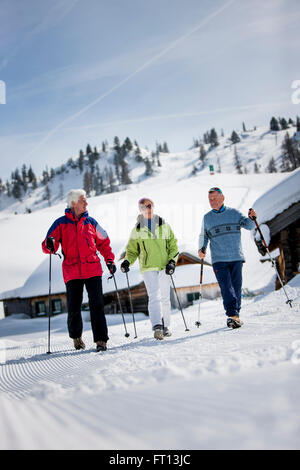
221, 227
152, 241
80, 237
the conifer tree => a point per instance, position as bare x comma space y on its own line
234, 138
274, 125
87, 183
128, 145
117, 165
290, 157
47, 195
148, 169
117, 146
8, 189
213, 138
125, 178
271, 168
237, 162
81, 161
138, 154
202, 153
16, 185
165, 148
111, 180
284, 124
24, 178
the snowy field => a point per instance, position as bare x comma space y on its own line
209, 388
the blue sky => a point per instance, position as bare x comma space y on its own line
79, 72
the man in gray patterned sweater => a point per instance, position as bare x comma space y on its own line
222, 228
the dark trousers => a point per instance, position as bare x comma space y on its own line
74, 299
229, 277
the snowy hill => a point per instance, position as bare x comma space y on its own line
255, 147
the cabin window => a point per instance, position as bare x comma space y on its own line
40, 308
56, 306
193, 296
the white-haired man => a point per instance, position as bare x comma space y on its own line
81, 237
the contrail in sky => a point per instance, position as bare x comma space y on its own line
158, 117
167, 49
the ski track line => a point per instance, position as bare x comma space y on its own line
145, 361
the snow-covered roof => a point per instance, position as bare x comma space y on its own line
279, 198
188, 275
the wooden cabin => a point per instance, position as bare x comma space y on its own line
285, 235
35, 306
33, 300
279, 209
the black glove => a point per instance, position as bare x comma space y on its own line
111, 267
170, 268
125, 266
50, 244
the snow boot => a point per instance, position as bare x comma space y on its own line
167, 332
101, 346
234, 322
78, 343
158, 332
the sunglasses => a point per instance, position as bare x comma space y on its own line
146, 206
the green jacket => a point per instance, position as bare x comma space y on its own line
154, 251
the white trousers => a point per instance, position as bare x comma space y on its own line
158, 289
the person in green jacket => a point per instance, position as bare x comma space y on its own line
152, 241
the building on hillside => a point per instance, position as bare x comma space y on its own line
279, 212
33, 298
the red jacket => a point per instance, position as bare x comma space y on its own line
80, 240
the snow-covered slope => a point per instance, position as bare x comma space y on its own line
209, 388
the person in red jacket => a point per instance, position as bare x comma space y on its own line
81, 237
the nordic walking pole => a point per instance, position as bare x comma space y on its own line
186, 328
289, 301
50, 301
120, 305
131, 306
50, 306
197, 323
